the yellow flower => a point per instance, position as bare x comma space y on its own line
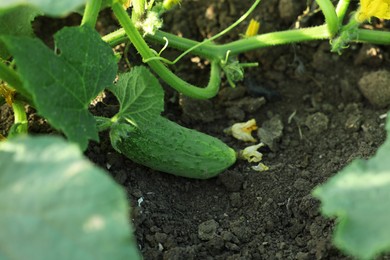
251, 154
253, 28
377, 8
242, 131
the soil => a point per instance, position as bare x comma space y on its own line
314, 118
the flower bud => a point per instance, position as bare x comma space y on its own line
253, 28
169, 4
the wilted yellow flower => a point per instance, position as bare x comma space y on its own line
253, 28
7, 93
251, 154
242, 131
377, 8
260, 167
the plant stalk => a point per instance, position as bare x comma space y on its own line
242, 18
331, 19
373, 36
276, 38
20, 119
207, 50
91, 12
341, 9
13, 80
157, 66
10, 76
214, 51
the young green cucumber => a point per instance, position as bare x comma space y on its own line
168, 147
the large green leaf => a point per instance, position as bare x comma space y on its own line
55, 204
49, 7
359, 195
63, 86
16, 22
140, 95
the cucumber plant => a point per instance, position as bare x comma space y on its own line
61, 83
146, 137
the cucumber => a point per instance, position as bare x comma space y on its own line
168, 147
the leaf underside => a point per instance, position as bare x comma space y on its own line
359, 196
48, 7
55, 204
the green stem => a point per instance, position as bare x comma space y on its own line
242, 18
158, 67
91, 12
12, 78
213, 51
341, 9
347, 34
20, 119
373, 36
276, 38
116, 37
331, 19
103, 123
207, 50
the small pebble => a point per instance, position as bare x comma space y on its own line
235, 199
353, 122
369, 55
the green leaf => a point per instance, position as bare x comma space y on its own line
359, 195
62, 86
55, 204
16, 22
140, 96
49, 7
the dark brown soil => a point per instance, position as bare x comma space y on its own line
245, 214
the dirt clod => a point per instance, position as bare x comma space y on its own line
232, 181
270, 132
375, 86
301, 184
207, 230
317, 122
235, 199
289, 9
197, 109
